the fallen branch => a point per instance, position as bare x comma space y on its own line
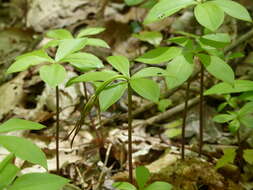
240, 40
165, 115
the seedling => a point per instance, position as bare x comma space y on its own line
108, 93
52, 72
204, 50
27, 151
237, 118
230, 155
142, 176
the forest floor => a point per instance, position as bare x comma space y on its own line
100, 157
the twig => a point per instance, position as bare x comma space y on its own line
138, 111
240, 40
165, 115
104, 166
184, 119
101, 11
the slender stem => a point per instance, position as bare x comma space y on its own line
130, 150
201, 109
99, 116
184, 119
57, 130
239, 149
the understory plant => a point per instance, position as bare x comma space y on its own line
11, 177
52, 71
112, 85
205, 51
192, 51
142, 175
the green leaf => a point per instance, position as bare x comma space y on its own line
69, 46
25, 61
165, 8
84, 61
120, 63
97, 42
142, 176
179, 70
111, 95
176, 123
218, 40
180, 40
124, 186
218, 68
53, 74
159, 185
246, 109
209, 15
24, 149
149, 4
235, 55
164, 104
92, 76
133, 2
153, 38
223, 118
8, 174
37, 53
222, 106
233, 102
233, 9
248, 155
225, 88
39, 181
227, 158
247, 120
59, 34
149, 72
234, 125
159, 55
246, 96
8, 159
146, 88
171, 133
51, 44
90, 31
19, 124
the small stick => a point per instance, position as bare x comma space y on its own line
184, 119
103, 170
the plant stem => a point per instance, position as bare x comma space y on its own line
184, 119
239, 151
57, 130
201, 109
130, 134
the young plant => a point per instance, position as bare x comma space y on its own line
204, 50
229, 155
27, 151
52, 72
142, 176
115, 84
237, 118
